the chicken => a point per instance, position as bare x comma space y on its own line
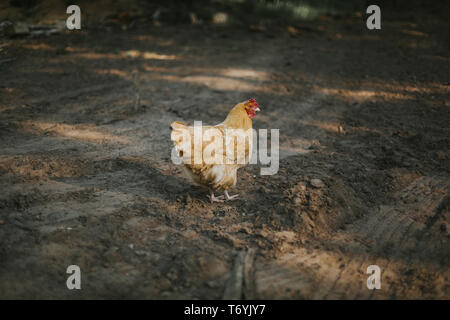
211, 155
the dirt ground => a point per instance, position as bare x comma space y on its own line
86, 179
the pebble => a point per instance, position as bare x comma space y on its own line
141, 253
317, 183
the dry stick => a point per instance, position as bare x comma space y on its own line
7, 60
137, 99
233, 289
248, 290
240, 283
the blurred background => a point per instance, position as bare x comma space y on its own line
225, 12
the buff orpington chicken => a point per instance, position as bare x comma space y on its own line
211, 155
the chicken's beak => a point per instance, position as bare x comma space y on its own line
258, 109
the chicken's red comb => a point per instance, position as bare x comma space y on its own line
252, 101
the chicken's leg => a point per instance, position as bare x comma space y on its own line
214, 198
234, 197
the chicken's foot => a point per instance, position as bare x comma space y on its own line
214, 198
233, 197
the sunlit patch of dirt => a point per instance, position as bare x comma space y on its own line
40, 46
130, 54
77, 132
364, 95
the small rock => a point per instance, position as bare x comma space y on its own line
317, 183
220, 18
212, 284
131, 246
190, 234
172, 275
301, 186
194, 18
140, 253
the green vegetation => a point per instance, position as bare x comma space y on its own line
291, 10
260, 11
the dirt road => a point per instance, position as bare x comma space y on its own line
86, 178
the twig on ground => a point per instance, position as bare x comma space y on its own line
137, 99
240, 284
7, 60
248, 289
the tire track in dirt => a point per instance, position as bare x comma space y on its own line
378, 228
